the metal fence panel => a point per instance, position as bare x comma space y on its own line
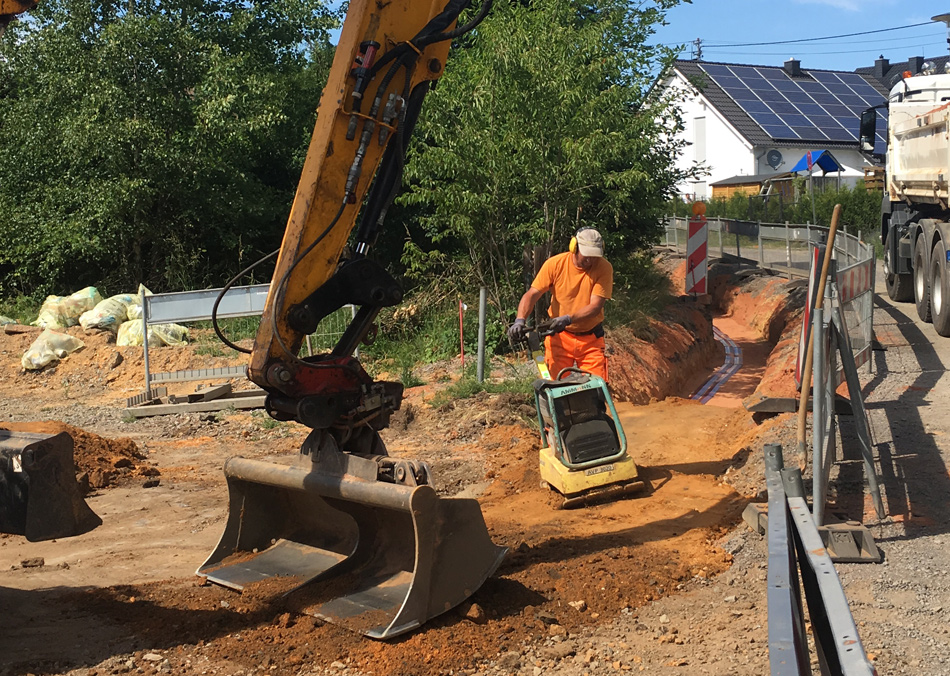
787, 248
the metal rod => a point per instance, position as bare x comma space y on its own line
482, 306
148, 375
817, 412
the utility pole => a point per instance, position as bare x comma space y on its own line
697, 49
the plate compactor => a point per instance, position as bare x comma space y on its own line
583, 446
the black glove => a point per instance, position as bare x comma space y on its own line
558, 324
516, 331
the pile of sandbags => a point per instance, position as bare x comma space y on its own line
122, 314
60, 312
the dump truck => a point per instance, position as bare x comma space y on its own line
915, 212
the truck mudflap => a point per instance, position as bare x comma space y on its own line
376, 557
39, 494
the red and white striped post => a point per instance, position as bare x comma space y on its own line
696, 251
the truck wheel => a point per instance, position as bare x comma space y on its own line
900, 288
921, 281
940, 290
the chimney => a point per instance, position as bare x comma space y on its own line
914, 64
793, 67
881, 66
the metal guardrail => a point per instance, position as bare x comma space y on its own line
240, 301
782, 247
797, 556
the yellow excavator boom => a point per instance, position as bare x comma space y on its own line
343, 505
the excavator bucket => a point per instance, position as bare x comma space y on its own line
376, 557
39, 495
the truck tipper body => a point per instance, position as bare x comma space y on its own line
915, 213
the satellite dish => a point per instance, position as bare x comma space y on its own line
774, 158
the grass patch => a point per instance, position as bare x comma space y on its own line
468, 386
641, 291
265, 422
23, 309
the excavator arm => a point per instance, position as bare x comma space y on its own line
343, 505
362, 537
10, 8
388, 56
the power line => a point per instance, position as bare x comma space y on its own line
827, 37
853, 51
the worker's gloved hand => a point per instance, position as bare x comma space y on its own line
516, 331
558, 324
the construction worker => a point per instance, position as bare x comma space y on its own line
581, 280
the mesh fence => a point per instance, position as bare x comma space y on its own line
787, 249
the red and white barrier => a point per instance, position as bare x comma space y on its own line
854, 281
696, 251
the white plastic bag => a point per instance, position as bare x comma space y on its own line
51, 316
58, 312
48, 347
130, 333
6, 320
76, 303
109, 313
170, 334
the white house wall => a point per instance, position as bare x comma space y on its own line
725, 154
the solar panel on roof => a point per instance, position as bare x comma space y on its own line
812, 110
780, 132
809, 132
771, 95
755, 107
796, 120
766, 118
782, 107
716, 69
852, 100
819, 106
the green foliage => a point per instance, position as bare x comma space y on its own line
542, 124
157, 142
24, 309
860, 207
265, 422
641, 291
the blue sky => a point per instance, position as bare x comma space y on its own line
731, 22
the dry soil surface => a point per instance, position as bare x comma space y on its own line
665, 582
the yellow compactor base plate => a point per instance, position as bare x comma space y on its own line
594, 484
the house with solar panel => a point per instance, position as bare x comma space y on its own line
752, 127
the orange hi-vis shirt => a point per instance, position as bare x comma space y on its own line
572, 287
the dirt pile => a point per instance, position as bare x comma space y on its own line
567, 572
100, 372
100, 462
681, 345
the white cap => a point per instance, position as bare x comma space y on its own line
590, 243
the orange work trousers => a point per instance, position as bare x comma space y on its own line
586, 352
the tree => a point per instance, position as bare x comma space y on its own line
542, 124
154, 142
